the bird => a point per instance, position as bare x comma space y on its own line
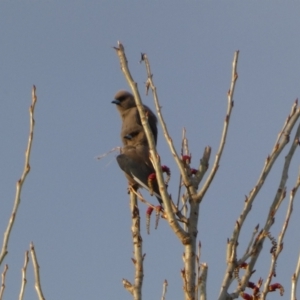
131, 121
135, 162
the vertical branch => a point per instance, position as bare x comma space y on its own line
295, 280
185, 177
181, 234
202, 280
3, 282
165, 285
136, 288
203, 166
215, 167
198, 269
180, 177
20, 182
36, 269
190, 252
195, 201
24, 280
184, 151
138, 248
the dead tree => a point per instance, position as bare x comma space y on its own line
183, 219
16, 204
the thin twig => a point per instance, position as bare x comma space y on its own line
279, 196
3, 281
295, 280
215, 167
203, 166
136, 289
180, 177
24, 280
36, 269
247, 254
184, 151
20, 182
280, 240
281, 133
165, 285
185, 177
248, 251
108, 152
233, 242
128, 286
141, 198
184, 208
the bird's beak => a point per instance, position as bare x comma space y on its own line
116, 102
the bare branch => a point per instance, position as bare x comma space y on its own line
36, 269
248, 250
180, 177
128, 286
198, 269
24, 280
108, 152
137, 248
3, 282
20, 182
280, 195
215, 167
203, 167
190, 252
141, 198
202, 282
168, 138
181, 234
232, 244
184, 208
295, 280
281, 133
136, 289
281, 189
280, 240
165, 285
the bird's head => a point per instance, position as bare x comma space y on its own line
124, 100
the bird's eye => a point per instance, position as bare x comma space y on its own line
121, 98
133, 134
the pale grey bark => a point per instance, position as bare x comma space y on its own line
194, 284
21, 181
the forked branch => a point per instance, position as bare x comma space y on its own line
232, 261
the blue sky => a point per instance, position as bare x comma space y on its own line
74, 207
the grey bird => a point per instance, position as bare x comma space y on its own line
135, 162
131, 121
